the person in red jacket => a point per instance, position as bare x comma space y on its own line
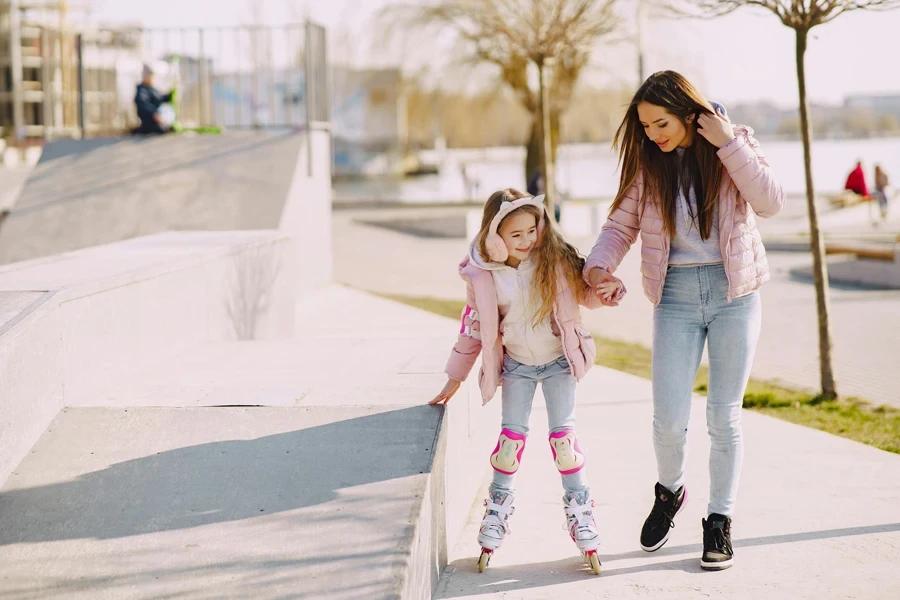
856, 181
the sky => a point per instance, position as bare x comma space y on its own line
746, 56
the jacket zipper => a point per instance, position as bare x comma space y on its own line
562, 336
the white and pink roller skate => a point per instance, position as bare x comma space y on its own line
582, 527
494, 525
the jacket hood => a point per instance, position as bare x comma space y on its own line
475, 259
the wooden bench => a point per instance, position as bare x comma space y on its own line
861, 250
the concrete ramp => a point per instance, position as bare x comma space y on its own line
90, 192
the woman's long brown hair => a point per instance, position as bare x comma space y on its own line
699, 168
553, 254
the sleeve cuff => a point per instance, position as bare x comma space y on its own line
735, 144
596, 264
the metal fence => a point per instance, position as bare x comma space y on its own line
235, 77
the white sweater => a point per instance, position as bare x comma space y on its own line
522, 341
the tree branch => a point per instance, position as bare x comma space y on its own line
510, 33
797, 14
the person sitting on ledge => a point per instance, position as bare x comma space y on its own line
148, 100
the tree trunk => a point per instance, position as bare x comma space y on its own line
817, 244
547, 170
533, 145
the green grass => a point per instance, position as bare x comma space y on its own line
850, 418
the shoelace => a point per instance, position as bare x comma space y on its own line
493, 522
719, 541
583, 518
659, 517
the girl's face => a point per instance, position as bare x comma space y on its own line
663, 128
519, 232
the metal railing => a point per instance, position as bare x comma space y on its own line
234, 77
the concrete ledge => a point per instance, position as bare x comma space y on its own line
77, 322
864, 272
99, 191
251, 501
318, 452
467, 429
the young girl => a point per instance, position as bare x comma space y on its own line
692, 185
523, 288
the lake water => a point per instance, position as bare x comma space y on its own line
589, 171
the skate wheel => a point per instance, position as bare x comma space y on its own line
484, 560
594, 560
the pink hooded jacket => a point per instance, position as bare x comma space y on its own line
748, 188
480, 331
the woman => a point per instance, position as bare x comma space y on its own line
692, 185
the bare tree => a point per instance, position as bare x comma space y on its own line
802, 16
557, 36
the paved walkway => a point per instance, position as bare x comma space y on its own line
291, 470
866, 323
817, 516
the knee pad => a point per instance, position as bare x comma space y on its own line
508, 453
566, 452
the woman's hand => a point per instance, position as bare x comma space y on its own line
716, 129
446, 393
605, 286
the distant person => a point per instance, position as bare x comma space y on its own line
856, 181
881, 190
148, 100
536, 187
467, 185
470, 180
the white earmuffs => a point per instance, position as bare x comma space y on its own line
496, 247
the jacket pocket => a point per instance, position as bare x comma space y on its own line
586, 345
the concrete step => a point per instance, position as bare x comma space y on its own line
307, 468
203, 503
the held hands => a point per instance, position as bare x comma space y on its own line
446, 393
716, 129
608, 288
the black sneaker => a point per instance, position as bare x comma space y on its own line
717, 551
662, 517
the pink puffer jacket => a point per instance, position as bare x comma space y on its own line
480, 331
742, 248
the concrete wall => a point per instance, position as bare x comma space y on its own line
471, 431
72, 324
89, 192
306, 215
865, 272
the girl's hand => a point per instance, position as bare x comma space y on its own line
446, 393
716, 129
608, 289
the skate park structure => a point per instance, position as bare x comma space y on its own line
188, 401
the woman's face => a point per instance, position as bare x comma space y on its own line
663, 128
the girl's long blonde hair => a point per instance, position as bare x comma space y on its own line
553, 255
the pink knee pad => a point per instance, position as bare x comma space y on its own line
508, 453
566, 452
